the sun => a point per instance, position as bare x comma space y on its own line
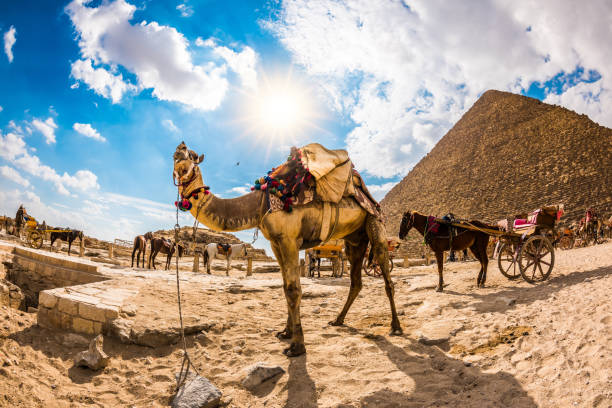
280, 111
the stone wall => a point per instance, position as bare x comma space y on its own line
508, 154
83, 309
34, 271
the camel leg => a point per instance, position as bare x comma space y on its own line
355, 253
378, 238
288, 254
440, 263
227, 267
144, 250
69, 245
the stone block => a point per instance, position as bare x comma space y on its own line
55, 319
111, 312
97, 327
68, 305
80, 325
46, 299
92, 312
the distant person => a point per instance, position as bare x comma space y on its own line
20, 218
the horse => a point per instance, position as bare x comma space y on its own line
165, 247
213, 249
140, 245
67, 235
475, 240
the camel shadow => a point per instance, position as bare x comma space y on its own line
440, 380
528, 295
301, 389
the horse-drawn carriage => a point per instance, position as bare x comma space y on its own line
527, 244
372, 268
331, 250
37, 233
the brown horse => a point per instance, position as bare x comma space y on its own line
165, 247
140, 245
475, 240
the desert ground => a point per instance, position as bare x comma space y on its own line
510, 344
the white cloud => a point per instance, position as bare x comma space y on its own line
241, 190
243, 63
186, 10
47, 128
14, 150
13, 175
380, 190
169, 124
1, 108
9, 41
100, 80
404, 74
156, 54
86, 130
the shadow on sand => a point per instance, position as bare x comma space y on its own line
301, 389
442, 381
528, 295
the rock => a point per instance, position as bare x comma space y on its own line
94, 358
122, 329
203, 339
32, 309
437, 332
129, 310
197, 392
258, 373
316, 310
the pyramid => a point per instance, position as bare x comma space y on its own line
508, 154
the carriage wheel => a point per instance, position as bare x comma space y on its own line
507, 262
536, 259
35, 239
566, 242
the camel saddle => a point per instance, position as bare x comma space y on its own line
224, 249
334, 177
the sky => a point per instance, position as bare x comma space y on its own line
95, 96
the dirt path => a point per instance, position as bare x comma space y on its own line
510, 344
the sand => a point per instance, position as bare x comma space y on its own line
510, 344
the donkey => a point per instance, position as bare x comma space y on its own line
68, 235
475, 240
214, 249
140, 245
165, 247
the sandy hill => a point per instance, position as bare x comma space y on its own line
507, 154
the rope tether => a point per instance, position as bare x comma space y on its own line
186, 363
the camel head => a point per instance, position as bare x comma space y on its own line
186, 165
407, 223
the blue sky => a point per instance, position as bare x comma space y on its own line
95, 96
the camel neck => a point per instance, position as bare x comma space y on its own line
234, 214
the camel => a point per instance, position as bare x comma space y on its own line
165, 247
475, 240
288, 233
140, 245
228, 251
